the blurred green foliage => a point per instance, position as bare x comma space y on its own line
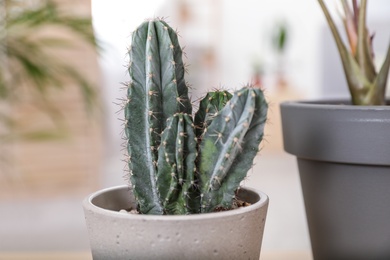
28, 59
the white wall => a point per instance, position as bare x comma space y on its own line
113, 22
247, 31
240, 36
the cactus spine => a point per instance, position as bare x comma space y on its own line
178, 166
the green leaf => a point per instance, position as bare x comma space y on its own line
381, 79
363, 54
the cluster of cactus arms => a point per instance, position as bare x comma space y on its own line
180, 164
366, 85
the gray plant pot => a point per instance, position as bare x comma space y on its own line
234, 234
343, 155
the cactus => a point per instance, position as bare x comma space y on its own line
208, 107
229, 146
366, 85
178, 166
157, 91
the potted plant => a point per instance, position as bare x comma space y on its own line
343, 152
185, 172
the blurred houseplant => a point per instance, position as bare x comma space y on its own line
29, 62
366, 85
42, 47
279, 42
343, 152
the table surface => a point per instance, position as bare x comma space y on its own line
267, 255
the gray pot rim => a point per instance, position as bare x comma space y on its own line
336, 131
88, 204
333, 104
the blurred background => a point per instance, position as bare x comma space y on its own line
60, 135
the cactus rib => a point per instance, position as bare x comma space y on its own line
176, 163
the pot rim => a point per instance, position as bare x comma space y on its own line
87, 203
327, 131
332, 104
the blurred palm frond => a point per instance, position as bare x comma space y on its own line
32, 33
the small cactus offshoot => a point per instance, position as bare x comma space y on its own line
179, 164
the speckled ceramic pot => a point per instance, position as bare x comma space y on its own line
234, 234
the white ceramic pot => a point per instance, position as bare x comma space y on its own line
234, 234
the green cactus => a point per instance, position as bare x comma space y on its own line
211, 104
176, 166
157, 91
229, 146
